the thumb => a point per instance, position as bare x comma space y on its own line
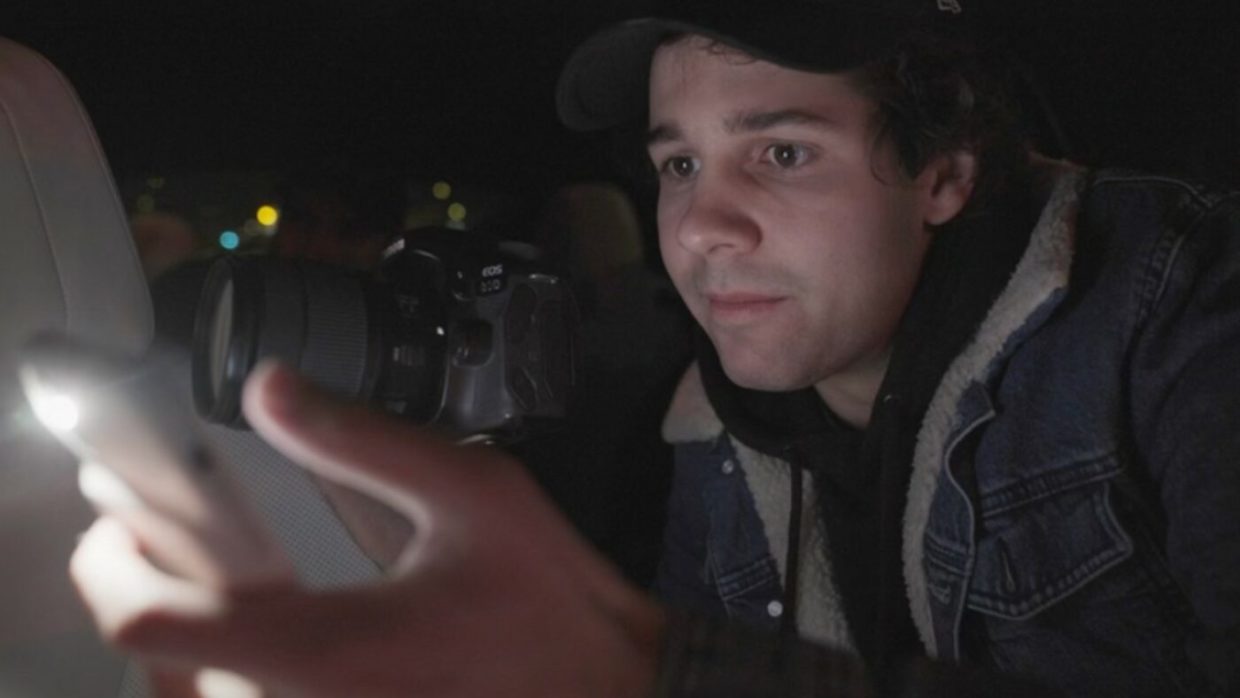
393, 461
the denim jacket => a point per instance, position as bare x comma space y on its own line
1073, 511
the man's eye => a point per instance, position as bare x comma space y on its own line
680, 167
787, 155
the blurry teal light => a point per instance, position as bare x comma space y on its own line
229, 240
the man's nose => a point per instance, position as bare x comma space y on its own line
718, 219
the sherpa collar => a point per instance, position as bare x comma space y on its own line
1037, 284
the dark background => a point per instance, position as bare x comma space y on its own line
464, 89
461, 90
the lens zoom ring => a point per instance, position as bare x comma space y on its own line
334, 354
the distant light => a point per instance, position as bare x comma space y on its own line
146, 203
59, 412
441, 190
267, 215
230, 240
457, 212
156, 182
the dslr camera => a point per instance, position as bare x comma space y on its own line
455, 329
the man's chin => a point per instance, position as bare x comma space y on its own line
763, 375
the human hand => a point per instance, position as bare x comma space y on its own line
496, 595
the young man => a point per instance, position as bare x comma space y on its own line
997, 430
992, 397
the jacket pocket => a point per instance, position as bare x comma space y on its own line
748, 592
1064, 594
758, 577
1030, 557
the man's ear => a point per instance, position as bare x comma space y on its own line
947, 183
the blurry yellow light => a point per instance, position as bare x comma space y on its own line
457, 212
146, 203
441, 190
156, 182
267, 215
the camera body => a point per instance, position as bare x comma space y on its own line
455, 328
507, 326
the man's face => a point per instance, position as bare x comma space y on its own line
794, 256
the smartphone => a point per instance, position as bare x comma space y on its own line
145, 461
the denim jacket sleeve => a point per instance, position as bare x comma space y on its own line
1185, 405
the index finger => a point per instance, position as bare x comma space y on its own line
391, 460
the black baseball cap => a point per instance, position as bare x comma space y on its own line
604, 83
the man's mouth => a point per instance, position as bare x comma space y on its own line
737, 306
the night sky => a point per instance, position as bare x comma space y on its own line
465, 88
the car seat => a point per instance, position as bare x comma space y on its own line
68, 263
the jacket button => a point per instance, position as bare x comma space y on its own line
729, 466
775, 609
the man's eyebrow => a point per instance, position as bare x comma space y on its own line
748, 122
662, 134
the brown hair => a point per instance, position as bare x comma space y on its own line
935, 96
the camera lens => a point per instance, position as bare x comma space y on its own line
453, 329
221, 332
313, 317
